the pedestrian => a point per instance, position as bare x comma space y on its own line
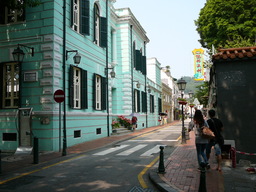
200, 141
216, 126
134, 123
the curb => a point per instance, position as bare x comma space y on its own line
160, 184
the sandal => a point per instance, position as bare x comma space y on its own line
218, 169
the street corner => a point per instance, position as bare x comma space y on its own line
158, 180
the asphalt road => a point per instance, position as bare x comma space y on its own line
119, 168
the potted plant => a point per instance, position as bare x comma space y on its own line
115, 124
191, 105
121, 120
182, 101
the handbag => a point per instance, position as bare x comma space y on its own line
207, 133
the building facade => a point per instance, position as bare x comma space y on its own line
106, 39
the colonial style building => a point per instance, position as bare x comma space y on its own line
108, 78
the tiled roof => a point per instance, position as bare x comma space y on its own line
234, 53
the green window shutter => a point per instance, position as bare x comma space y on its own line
159, 105
84, 94
138, 60
71, 86
144, 101
138, 97
85, 17
103, 32
94, 91
103, 93
71, 12
144, 65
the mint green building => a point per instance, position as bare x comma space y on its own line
50, 36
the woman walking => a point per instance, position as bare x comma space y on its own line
200, 142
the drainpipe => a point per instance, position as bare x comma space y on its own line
146, 86
132, 66
107, 92
64, 152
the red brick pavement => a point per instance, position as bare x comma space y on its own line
182, 173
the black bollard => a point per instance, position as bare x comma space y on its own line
202, 186
36, 151
161, 168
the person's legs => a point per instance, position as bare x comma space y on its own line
203, 154
198, 151
209, 149
218, 155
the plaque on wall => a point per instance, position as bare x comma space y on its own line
30, 76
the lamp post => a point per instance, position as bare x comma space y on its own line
182, 86
190, 94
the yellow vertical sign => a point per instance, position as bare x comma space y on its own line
198, 64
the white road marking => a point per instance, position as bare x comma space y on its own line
155, 149
132, 150
111, 150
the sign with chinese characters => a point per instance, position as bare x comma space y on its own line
198, 64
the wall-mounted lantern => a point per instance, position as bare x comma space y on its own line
77, 57
18, 54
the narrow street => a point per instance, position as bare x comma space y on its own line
120, 167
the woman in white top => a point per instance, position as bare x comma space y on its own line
201, 142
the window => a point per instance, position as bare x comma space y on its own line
96, 24
10, 81
100, 28
12, 15
77, 133
78, 88
76, 15
140, 62
80, 16
152, 104
99, 91
136, 100
144, 101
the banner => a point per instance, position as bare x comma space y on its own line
198, 64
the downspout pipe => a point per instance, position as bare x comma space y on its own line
146, 85
132, 67
64, 150
107, 92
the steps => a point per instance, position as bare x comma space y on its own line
120, 131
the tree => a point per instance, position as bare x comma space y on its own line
225, 23
202, 93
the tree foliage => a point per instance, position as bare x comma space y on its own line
225, 23
202, 93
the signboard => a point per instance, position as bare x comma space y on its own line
198, 64
59, 96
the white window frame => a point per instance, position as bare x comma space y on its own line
76, 15
136, 100
98, 92
77, 88
11, 87
97, 24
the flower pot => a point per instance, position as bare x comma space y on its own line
183, 102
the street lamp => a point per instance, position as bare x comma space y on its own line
138, 84
190, 94
18, 54
182, 86
77, 57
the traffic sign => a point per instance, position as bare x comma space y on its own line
59, 96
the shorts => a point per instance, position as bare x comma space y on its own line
217, 148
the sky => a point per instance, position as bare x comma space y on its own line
169, 25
